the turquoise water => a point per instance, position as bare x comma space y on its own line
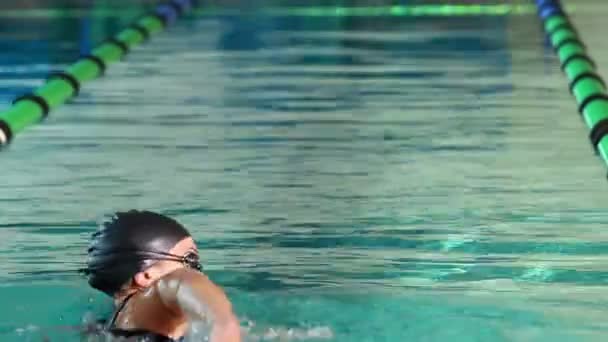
347, 178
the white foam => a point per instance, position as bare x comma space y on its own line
200, 331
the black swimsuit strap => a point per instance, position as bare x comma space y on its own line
145, 334
120, 307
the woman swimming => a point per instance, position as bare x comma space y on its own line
149, 264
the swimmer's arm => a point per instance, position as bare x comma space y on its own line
193, 294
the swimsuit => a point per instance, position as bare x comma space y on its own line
139, 335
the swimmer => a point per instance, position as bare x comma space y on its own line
149, 264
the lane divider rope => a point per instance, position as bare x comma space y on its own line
61, 86
585, 84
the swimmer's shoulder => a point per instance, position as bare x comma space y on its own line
182, 285
183, 279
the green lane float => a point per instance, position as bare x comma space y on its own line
59, 87
586, 85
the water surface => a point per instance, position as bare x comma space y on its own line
349, 178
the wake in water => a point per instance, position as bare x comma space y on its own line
92, 331
200, 332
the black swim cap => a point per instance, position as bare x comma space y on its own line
118, 250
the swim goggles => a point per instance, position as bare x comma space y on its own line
190, 259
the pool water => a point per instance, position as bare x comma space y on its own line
348, 178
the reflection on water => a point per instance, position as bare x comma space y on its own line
378, 177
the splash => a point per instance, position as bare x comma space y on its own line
92, 330
252, 333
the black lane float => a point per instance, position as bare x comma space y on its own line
59, 87
586, 85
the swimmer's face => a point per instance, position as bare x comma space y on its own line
159, 269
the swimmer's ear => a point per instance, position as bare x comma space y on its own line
144, 279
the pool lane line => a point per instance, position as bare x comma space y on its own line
430, 10
586, 85
59, 87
